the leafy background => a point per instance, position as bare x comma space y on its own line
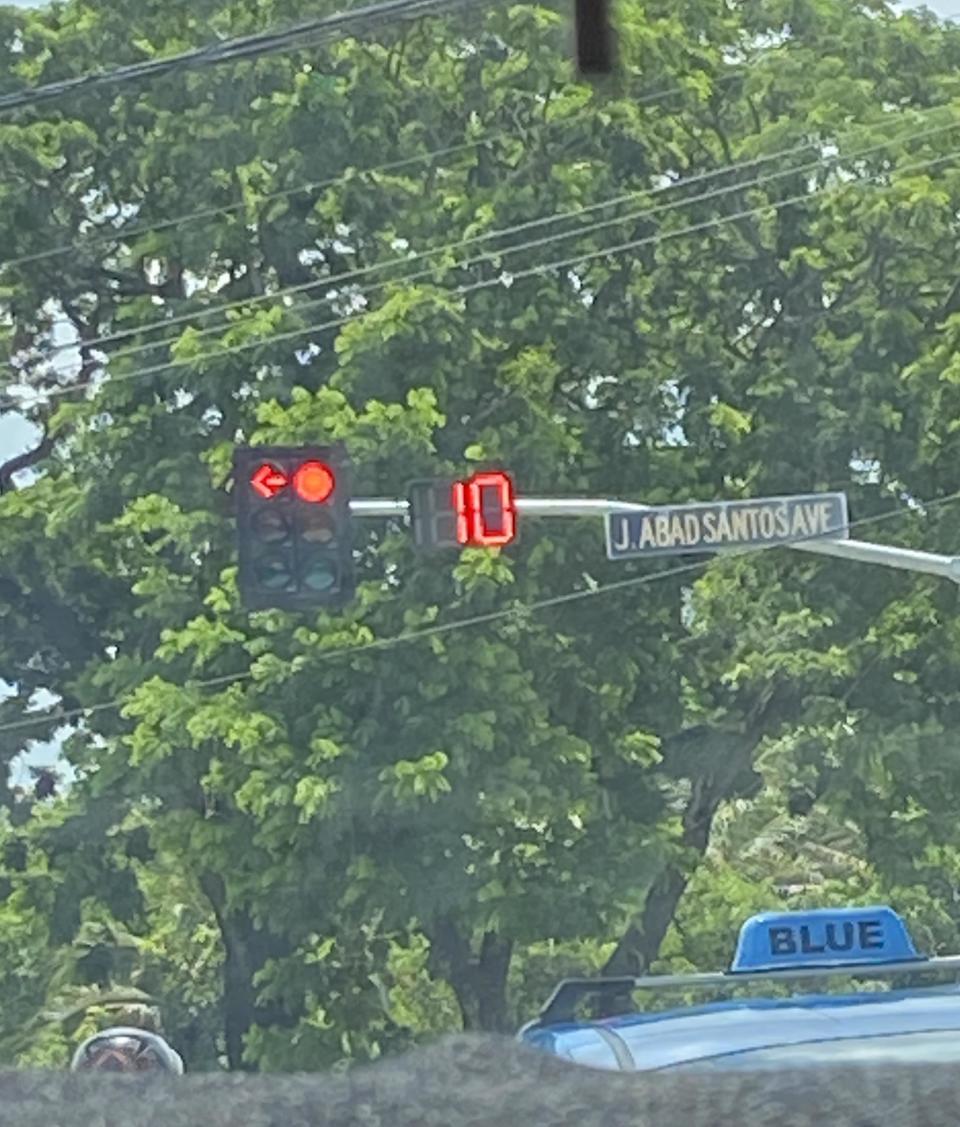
300, 841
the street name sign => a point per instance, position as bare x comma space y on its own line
672, 530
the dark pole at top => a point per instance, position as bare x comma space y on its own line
594, 36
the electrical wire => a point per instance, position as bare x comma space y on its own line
554, 217
122, 234
502, 280
532, 244
309, 33
516, 611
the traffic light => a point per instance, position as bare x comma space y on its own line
477, 513
293, 526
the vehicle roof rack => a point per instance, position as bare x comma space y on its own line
559, 1007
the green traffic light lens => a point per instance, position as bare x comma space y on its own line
319, 570
319, 562
320, 579
275, 573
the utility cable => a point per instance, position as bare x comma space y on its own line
309, 33
515, 611
531, 244
353, 275
122, 234
504, 279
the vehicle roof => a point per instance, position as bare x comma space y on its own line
652, 1040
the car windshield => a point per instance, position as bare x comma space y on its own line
468, 519
941, 1046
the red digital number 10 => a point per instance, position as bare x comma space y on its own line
486, 512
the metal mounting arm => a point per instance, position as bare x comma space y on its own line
907, 559
861, 551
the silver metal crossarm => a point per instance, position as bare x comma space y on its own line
378, 507
907, 559
575, 506
860, 551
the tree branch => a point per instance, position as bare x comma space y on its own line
22, 462
950, 304
641, 941
449, 958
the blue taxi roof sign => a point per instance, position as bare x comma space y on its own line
827, 937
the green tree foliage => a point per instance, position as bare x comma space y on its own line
729, 272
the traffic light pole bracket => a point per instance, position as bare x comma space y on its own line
378, 507
906, 559
861, 551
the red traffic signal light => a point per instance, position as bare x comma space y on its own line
267, 480
314, 482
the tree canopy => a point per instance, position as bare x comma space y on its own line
727, 271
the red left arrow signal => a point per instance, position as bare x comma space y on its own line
268, 481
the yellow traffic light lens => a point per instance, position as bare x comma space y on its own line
317, 526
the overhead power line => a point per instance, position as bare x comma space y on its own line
309, 33
353, 275
125, 233
517, 610
506, 278
575, 260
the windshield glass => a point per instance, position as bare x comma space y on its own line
469, 518
940, 1046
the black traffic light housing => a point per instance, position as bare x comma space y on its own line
293, 526
433, 516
